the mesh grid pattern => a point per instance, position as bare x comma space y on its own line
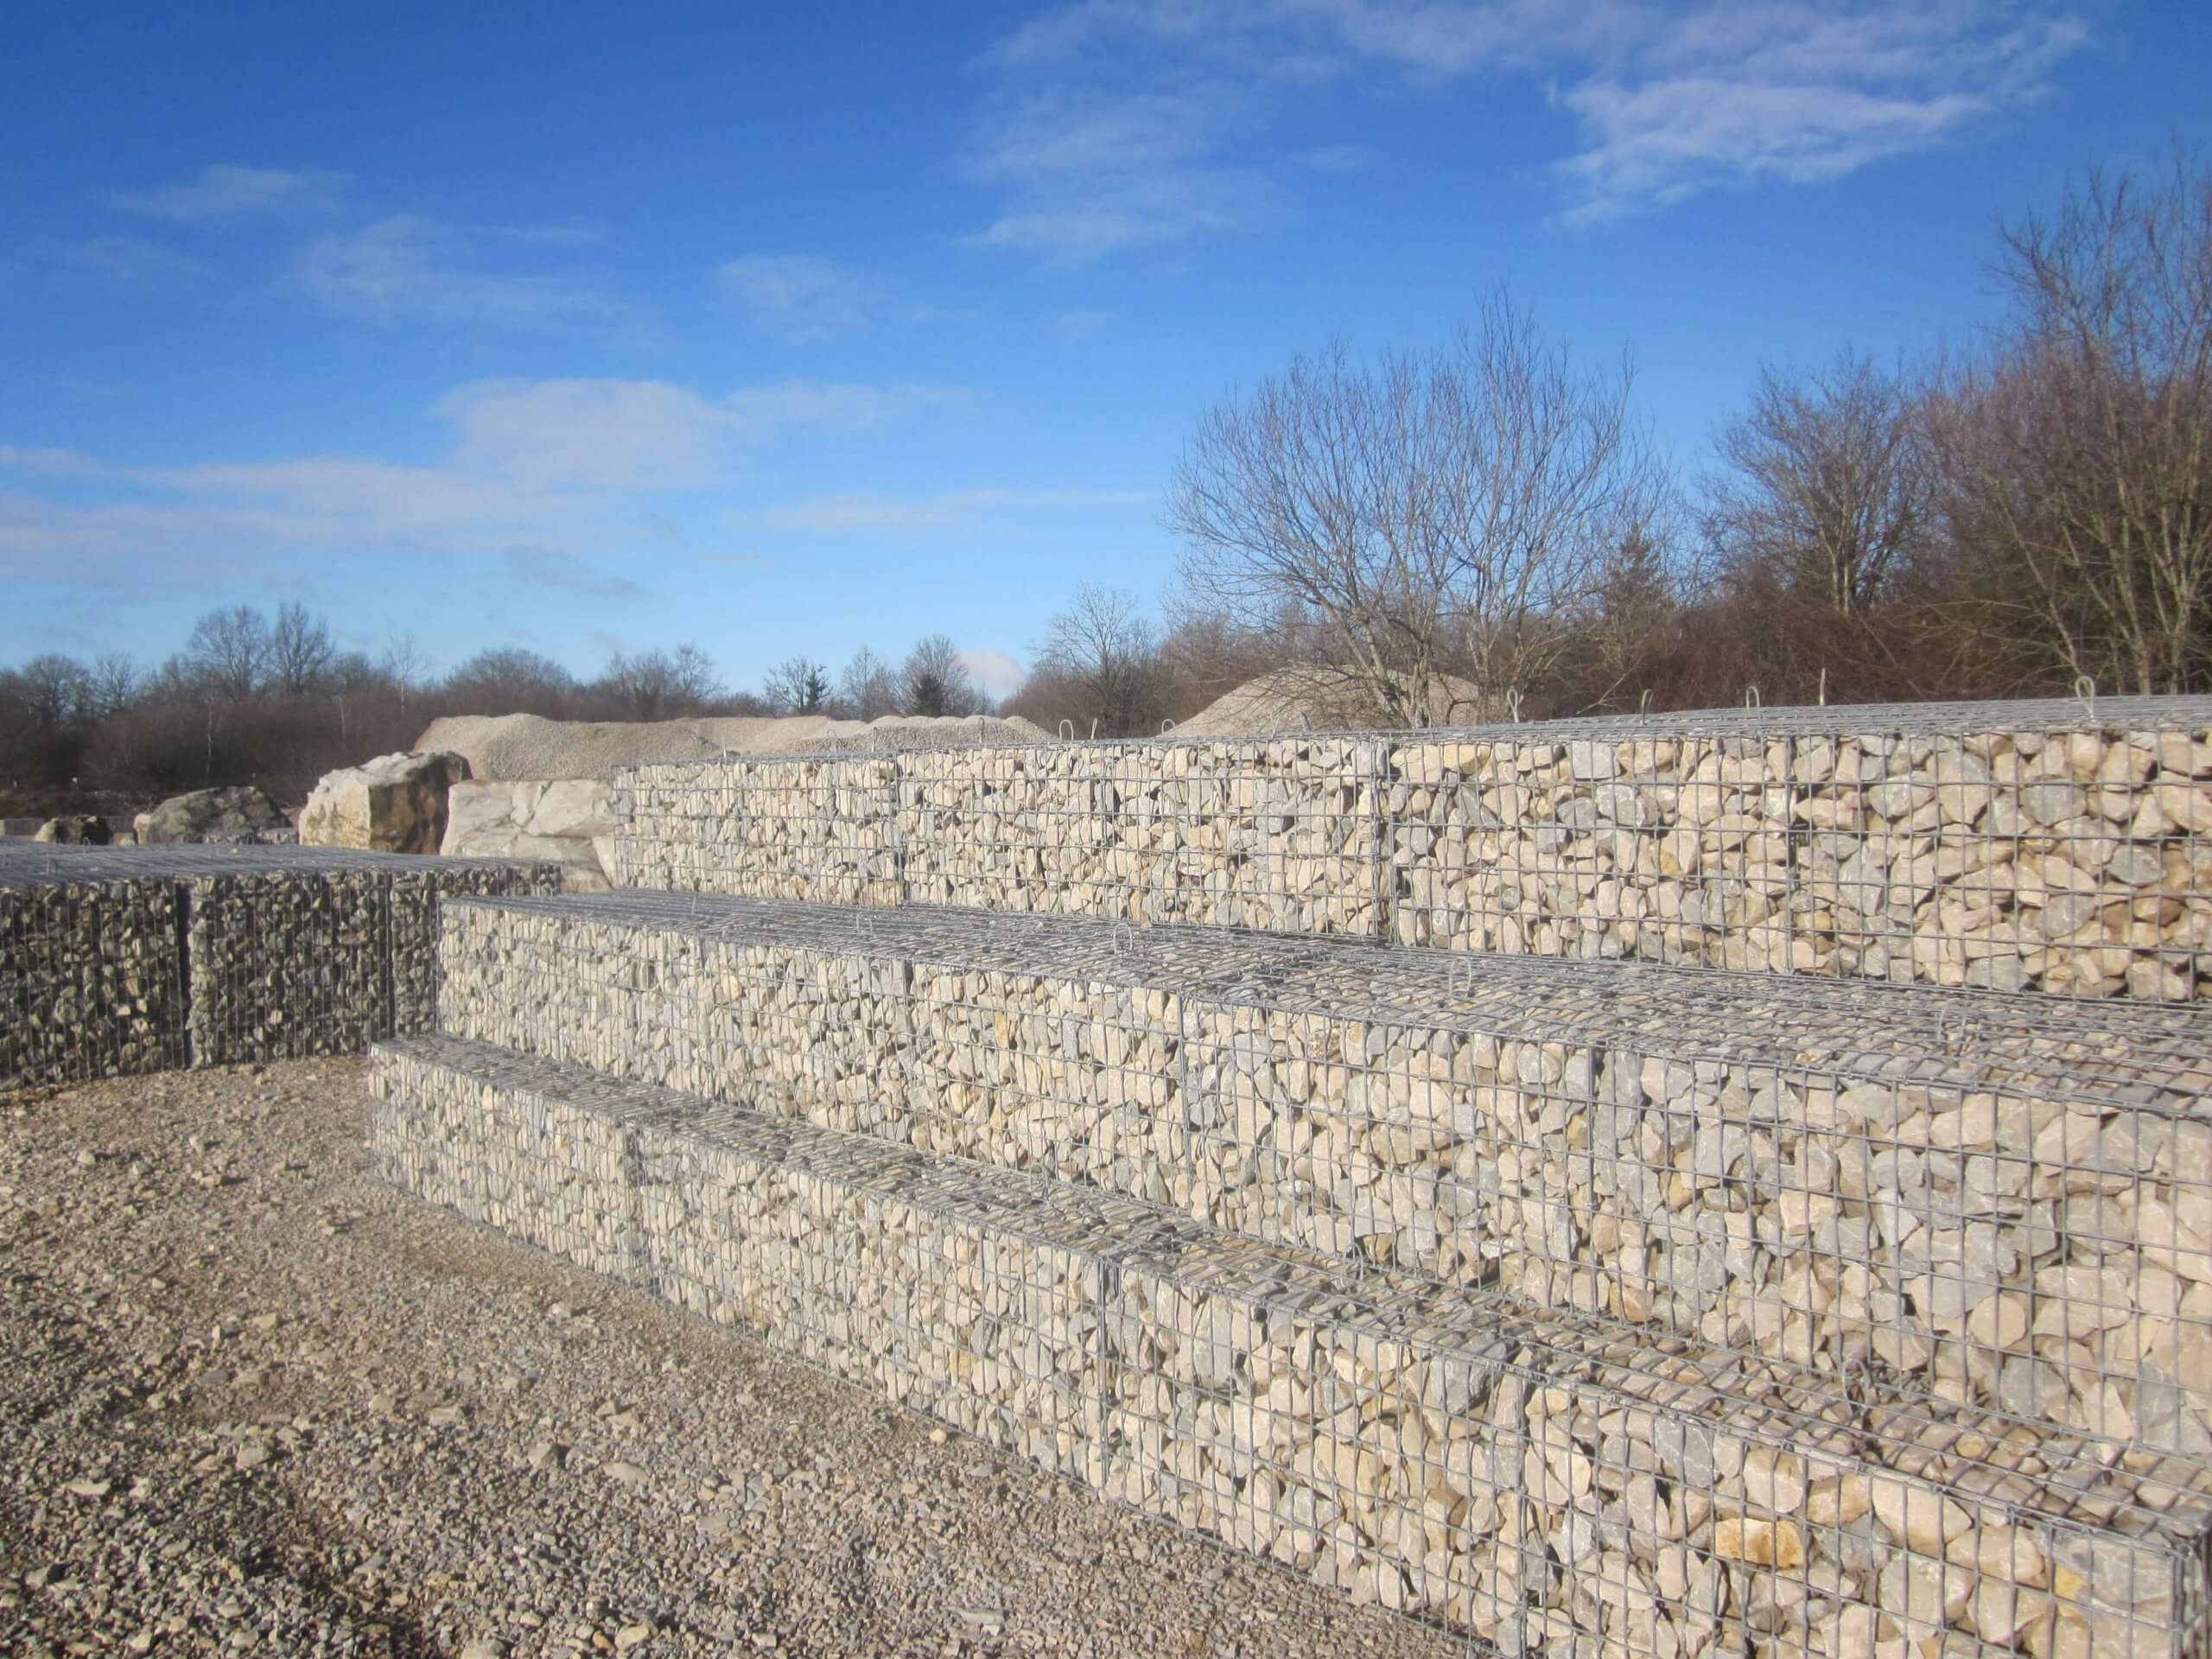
2004, 1201
92, 981
2063, 847
1541, 1480
127, 960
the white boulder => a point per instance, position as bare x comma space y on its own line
570, 821
394, 803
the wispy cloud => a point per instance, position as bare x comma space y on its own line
1114, 124
1096, 157
403, 267
528, 464
138, 269
228, 192
49, 462
897, 515
1800, 96
565, 572
804, 297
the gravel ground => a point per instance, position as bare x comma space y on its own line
252, 1401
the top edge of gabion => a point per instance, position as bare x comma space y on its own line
2148, 1057
35, 863
2026, 715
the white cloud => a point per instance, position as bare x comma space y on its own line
1121, 123
138, 269
403, 266
763, 411
226, 192
894, 515
803, 296
995, 674
48, 460
594, 435
1095, 167
531, 465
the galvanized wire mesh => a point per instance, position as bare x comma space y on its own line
1540, 1479
120, 960
92, 981
2002, 1201
2007, 846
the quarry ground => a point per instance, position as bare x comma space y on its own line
253, 1401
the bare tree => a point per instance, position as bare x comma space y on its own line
300, 650
1101, 649
509, 681
229, 651
868, 688
2077, 453
406, 664
799, 685
116, 682
934, 681
1437, 512
661, 685
1825, 492
56, 691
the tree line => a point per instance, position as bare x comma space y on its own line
1475, 531
272, 700
1486, 528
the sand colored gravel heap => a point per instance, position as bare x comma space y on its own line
505, 747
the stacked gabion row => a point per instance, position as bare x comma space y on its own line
417, 895
559, 1170
2013, 1208
819, 827
116, 961
1549, 1484
2021, 846
1279, 834
91, 982
287, 966
2078, 862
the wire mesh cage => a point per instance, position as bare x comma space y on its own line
2005, 1205
1541, 1480
91, 980
2058, 846
117, 960
818, 827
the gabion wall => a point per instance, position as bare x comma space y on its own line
287, 966
2061, 847
2011, 1205
125, 960
1546, 1481
91, 980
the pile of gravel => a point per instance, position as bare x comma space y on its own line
512, 747
253, 1401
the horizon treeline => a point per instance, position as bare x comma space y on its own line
271, 700
1455, 534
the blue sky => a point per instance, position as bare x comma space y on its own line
792, 329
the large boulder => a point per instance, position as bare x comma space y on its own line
75, 829
240, 814
571, 821
394, 803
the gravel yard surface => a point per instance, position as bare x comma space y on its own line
253, 1401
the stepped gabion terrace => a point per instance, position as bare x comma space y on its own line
1720, 1184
